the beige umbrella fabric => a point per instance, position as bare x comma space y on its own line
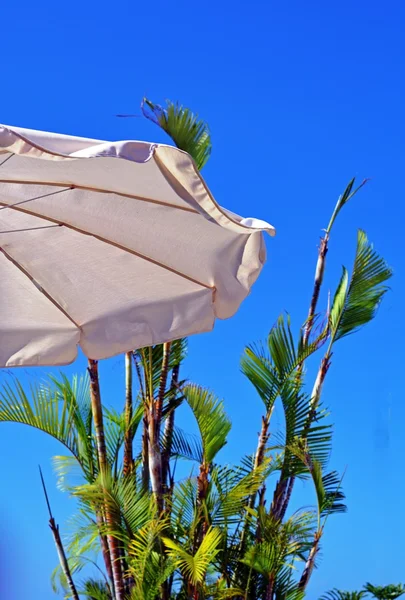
112, 246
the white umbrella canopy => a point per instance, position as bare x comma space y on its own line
112, 246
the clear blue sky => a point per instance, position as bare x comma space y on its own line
300, 96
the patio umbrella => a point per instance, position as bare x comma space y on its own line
112, 246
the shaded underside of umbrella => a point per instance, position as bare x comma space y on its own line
112, 246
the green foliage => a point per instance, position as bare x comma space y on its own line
211, 419
194, 567
272, 367
342, 595
355, 303
95, 589
183, 525
343, 199
381, 592
187, 131
59, 408
385, 592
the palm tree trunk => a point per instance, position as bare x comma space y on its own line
128, 454
167, 446
155, 461
154, 425
202, 492
58, 543
309, 565
163, 381
261, 447
105, 549
284, 488
145, 450
319, 273
286, 498
168, 433
278, 505
259, 456
62, 558
270, 587
97, 411
318, 385
166, 453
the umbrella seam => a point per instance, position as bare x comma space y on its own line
110, 242
101, 191
38, 286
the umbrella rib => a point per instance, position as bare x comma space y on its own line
29, 229
100, 191
38, 286
6, 159
36, 198
110, 242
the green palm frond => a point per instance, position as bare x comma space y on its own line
333, 498
343, 199
178, 352
194, 567
183, 509
149, 579
95, 589
211, 419
280, 548
268, 366
294, 533
285, 586
232, 490
59, 408
225, 592
356, 302
77, 389
58, 580
328, 487
129, 506
264, 558
150, 363
285, 354
385, 592
317, 434
336, 594
185, 445
114, 431
68, 472
84, 536
146, 563
328, 492
187, 131
76, 565
258, 368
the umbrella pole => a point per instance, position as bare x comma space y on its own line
97, 412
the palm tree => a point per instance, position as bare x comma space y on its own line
218, 532
382, 592
336, 594
385, 592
